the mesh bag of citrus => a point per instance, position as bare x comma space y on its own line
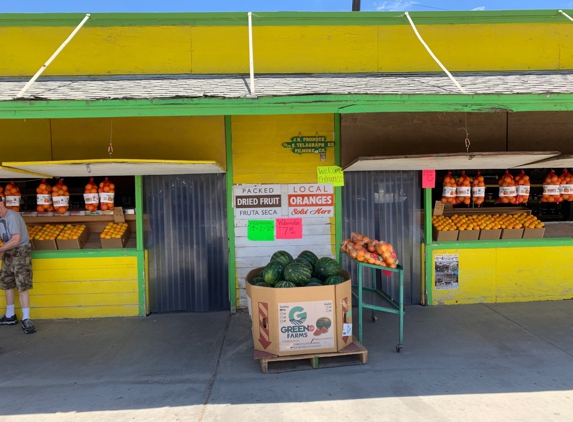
463, 189
91, 196
551, 186
507, 189
106, 195
13, 196
44, 197
449, 189
566, 186
478, 189
60, 197
523, 187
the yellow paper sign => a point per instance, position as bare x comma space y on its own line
330, 174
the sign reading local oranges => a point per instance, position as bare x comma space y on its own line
311, 200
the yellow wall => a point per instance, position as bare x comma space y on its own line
509, 275
258, 154
286, 49
82, 288
25, 138
168, 138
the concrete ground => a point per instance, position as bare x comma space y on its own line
505, 362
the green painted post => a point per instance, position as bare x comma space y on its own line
337, 191
139, 238
232, 266
428, 241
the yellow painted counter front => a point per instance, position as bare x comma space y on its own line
508, 273
83, 287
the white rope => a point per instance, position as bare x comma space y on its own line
39, 72
433, 55
566, 15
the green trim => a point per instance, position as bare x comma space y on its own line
84, 253
337, 191
428, 239
507, 243
139, 211
283, 18
309, 104
232, 265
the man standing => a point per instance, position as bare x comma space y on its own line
16, 266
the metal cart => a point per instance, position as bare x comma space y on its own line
395, 307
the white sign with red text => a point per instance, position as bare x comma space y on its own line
311, 200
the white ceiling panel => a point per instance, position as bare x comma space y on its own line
458, 161
94, 168
561, 161
10, 173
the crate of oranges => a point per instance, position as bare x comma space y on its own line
45, 238
73, 236
114, 235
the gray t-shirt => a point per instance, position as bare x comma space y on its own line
11, 224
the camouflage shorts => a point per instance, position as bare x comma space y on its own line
17, 269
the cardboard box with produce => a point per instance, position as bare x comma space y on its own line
300, 305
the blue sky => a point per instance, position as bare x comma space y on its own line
43, 6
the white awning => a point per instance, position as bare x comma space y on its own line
116, 167
10, 173
457, 161
561, 161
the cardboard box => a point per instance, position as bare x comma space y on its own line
116, 243
74, 243
45, 245
284, 321
512, 234
534, 233
469, 235
490, 234
448, 210
442, 236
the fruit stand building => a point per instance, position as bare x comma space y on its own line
198, 134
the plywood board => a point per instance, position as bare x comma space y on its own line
116, 167
561, 161
473, 161
11, 173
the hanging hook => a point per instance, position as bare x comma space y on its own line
110, 147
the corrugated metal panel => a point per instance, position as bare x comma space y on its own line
386, 205
187, 242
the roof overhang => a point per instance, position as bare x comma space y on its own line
115, 167
472, 161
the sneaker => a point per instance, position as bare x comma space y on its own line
8, 321
28, 326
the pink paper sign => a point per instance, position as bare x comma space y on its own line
288, 228
428, 179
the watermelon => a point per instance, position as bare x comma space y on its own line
262, 284
315, 280
304, 262
309, 256
283, 257
325, 267
257, 279
297, 273
273, 272
284, 283
323, 322
313, 283
334, 279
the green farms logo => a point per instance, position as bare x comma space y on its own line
297, 315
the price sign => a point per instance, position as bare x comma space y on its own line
289, 228
428, 179
261, 230
118, 216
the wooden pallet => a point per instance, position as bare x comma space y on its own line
353, 354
